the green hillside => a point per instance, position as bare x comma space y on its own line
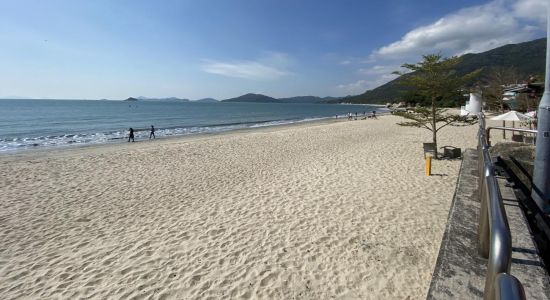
526, 58
253, 98
259, 98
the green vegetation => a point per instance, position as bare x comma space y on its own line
259, 98
435, 78
526, 58
252, 98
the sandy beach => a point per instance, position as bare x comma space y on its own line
337, 209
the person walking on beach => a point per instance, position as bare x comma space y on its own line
152, 134
131, 135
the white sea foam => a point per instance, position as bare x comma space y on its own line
37, 124
15, 144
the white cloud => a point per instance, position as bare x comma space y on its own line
470, 30
269, 67
372, 77
354, 87
380, 69
363, 85
531, 9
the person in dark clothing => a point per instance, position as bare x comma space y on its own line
131, 135
152, 134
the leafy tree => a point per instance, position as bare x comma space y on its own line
412, 98
435, 78
424, 117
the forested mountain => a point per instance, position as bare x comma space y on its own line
266, 99
526, 58
207, 100
252, 98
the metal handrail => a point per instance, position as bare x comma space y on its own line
488, 131
508, 287
494, 238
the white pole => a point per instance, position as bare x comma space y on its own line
541, 173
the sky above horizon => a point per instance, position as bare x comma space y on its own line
196, 49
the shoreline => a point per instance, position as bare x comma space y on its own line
66, 149
166, 137
175, 121
312, 210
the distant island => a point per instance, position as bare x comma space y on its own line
174, 99
207, 100
250, 97
259, 98
507, 56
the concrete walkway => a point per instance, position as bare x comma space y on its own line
460, 271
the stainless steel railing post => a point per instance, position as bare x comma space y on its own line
494, 238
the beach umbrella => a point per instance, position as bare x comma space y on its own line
510, 116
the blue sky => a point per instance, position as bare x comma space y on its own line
196, 49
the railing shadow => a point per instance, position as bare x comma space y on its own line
527, 262
523, 250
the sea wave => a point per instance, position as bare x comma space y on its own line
51, 141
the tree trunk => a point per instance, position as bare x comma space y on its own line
434, 128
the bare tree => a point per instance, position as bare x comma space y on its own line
494, 85
529, 101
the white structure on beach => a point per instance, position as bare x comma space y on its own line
473, 106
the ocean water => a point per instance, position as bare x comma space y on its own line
34, 124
